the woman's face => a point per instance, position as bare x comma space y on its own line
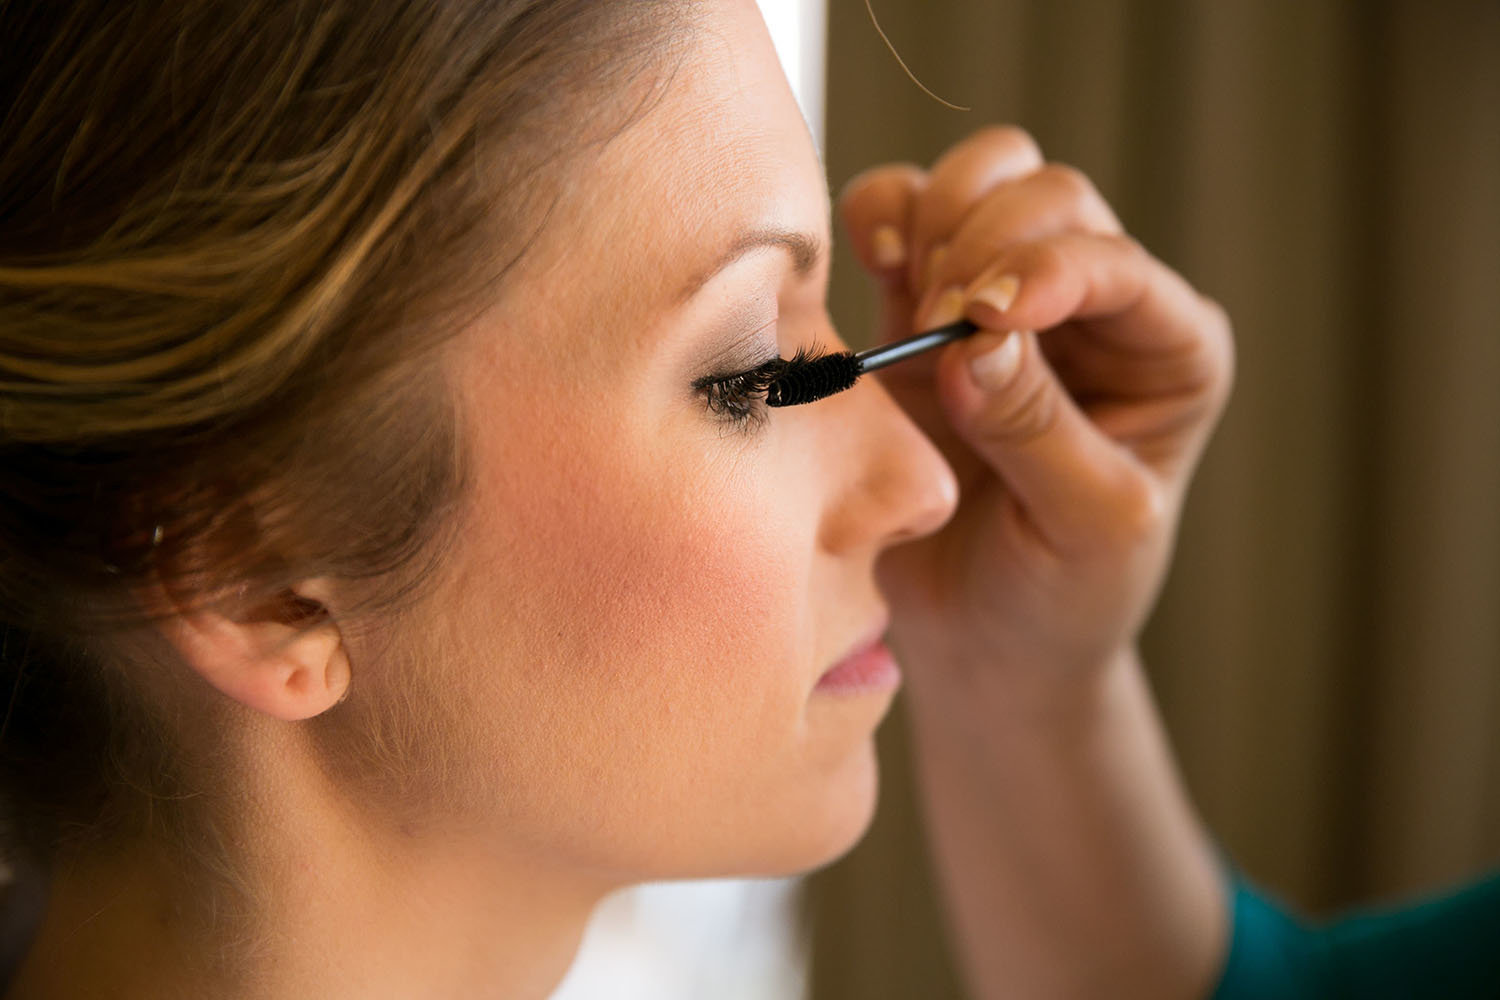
645, 594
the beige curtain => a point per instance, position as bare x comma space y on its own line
1327, 652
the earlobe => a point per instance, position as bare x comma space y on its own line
274, 660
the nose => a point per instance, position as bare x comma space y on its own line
893, 485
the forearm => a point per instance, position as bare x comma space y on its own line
1071, 860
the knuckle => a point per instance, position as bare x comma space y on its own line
1026, 415
1217, 323
1126, 245
1141, 509
1219, 337
1044, 257
1071, 181
885, 182
1010, 139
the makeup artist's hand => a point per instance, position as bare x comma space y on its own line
1074, 445
1071, 861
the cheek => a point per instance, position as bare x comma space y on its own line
640, 631
642, 552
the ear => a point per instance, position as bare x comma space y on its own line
285, 658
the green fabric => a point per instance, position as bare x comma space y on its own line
1448, 947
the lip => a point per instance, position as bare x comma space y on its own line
867, 666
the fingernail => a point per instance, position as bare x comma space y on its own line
890, 249
996, 364
1000, 293
947, 308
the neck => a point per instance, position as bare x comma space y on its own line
337, 910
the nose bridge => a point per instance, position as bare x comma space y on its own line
892, 482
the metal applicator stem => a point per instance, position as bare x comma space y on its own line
900, 350
819, 378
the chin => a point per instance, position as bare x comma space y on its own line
826, 828
811, 824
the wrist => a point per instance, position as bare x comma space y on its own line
1056, 817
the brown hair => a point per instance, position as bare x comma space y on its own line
232, 233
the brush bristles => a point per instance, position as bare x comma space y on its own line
813, 380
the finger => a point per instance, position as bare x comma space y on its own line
1056, 198
959, 178
875, 207
1133, 304
1134, 332
1078, 489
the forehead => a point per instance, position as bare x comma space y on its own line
723, 149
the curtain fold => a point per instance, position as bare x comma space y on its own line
1327, 649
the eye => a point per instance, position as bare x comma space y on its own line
740, 399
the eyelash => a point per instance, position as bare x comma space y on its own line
740, 399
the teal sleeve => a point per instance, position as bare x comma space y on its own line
1447, 946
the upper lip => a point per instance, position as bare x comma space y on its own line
867, 638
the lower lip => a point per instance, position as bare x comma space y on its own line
871, 669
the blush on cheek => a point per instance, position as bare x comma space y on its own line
641, 577
696, 577
639, 664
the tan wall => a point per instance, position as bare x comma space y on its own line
1327, 652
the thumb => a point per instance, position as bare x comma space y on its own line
1078, 488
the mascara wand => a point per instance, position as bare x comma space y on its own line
837, 372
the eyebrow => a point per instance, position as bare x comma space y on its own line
806, 250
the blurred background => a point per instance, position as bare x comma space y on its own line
1327, 650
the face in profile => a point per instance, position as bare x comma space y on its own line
629, 635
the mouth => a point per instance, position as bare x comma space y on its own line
867, 667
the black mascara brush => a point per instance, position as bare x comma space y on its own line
836, 372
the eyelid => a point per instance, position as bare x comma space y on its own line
740, 339
736, 370
746, 352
